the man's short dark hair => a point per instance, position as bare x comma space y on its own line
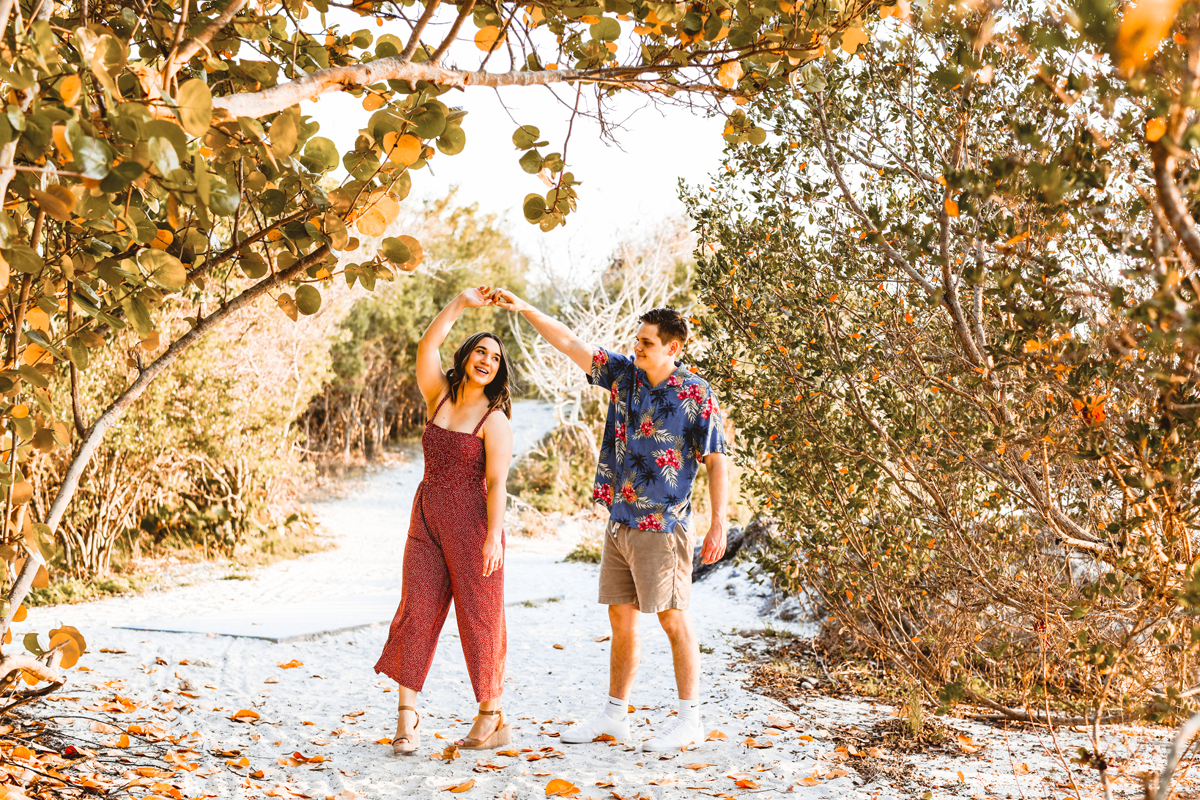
672, 327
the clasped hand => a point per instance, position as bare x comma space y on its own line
482, 296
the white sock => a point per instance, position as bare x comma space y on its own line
616, 708
689, 711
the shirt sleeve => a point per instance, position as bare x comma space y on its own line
714, 425
607, 367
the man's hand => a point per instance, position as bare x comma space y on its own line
714, 543
507, 300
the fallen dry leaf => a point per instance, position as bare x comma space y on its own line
291, 664
511, 753
449, 754
750, 742
967, 744
604, 737
245, 715
597, 639
558, 647
806, 738
605, 784
779, 722
241, 762
745, 783
259, 774
716, 736
696, 766
462, 787
808, 782
561, 788
384, 740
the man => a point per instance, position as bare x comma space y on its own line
663, 421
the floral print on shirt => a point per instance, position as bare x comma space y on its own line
655, 438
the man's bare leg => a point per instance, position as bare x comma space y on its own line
685, 650
624, 655
626, 651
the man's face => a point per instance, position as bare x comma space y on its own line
649, 351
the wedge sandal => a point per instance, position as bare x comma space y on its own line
497, 738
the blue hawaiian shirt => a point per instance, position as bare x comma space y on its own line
655, 438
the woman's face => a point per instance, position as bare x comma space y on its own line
483, 364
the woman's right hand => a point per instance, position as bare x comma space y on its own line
478, 297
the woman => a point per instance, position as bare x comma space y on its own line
455, 547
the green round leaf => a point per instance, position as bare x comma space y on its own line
525, 137
320, 154
395, 250
534, 207
308, 299
428, 121
531, 162
223, 199
195, 106
452, 141
757, 135
253, 265
164, 269
606, 30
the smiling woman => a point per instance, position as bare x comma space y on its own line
455, 546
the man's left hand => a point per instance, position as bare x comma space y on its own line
714, 543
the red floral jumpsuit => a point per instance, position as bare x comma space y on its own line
443, 560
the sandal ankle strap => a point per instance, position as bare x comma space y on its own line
493, 712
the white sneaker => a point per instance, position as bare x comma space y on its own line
599, 725
680, 735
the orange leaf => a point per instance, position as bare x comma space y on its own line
291, 664
245, 715
745, 783
513, 753
696, 766
951, 208
808, 782
560, 788
462, 787
716, 736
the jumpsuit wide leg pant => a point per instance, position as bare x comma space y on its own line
443, 561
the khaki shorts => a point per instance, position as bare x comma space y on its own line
652, 569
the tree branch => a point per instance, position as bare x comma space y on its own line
336, 79
415, 40
184, 52
463, 13
46, 672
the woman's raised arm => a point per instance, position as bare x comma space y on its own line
430, 378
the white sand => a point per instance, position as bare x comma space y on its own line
350, 707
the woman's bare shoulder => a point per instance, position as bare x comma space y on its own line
497, 423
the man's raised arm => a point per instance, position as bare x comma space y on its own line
558, 335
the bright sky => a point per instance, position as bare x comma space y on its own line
627, 187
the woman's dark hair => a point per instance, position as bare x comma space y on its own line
497, 391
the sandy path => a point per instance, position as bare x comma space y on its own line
334, 706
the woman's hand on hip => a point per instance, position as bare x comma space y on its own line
493, 554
